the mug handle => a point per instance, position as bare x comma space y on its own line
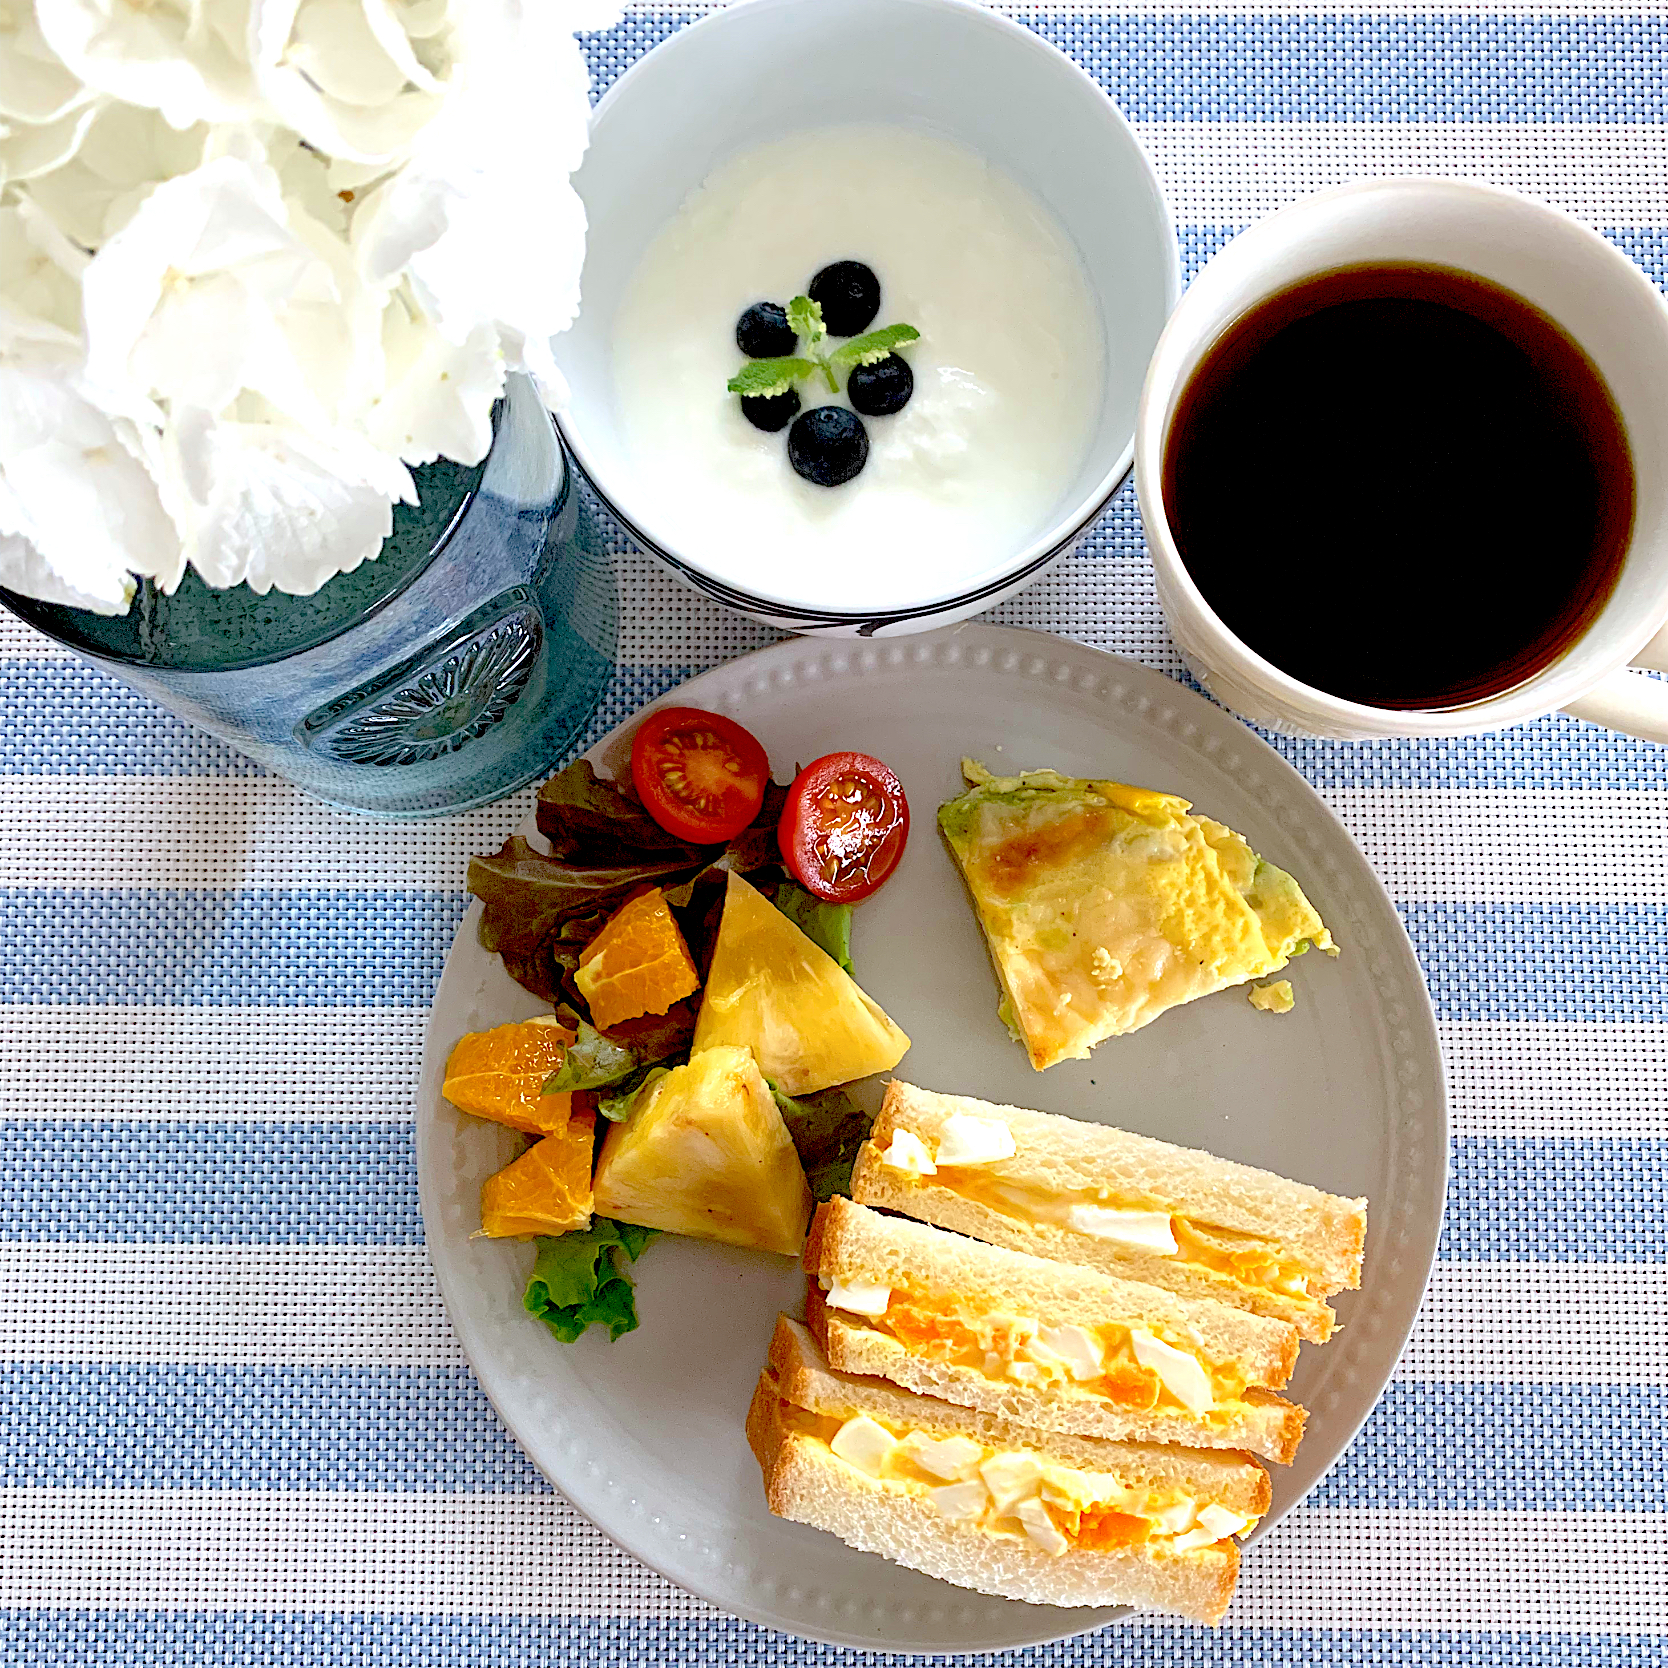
1629, 701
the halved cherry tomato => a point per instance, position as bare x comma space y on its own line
700, 775
844, 826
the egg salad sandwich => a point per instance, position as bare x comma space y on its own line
1130, 1206
990, 1503
1105, 905
1050, 1345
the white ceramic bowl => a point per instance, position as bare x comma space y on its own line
750, 74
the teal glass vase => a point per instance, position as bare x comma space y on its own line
458, 666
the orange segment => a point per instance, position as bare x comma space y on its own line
638, 964
498, 1074
548, 1189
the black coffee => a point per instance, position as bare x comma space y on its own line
1400, 484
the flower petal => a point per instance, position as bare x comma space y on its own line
455, 216
87, 506
389, 23
40, 271
27, 150
125, 151
181, 302
277, 507
439, 395
35, 86
334, 46
285, 66
182, 57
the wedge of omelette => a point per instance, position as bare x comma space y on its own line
1105, 905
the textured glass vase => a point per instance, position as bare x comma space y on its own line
453, 669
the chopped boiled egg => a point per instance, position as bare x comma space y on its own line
860, 1297
1176, 1519
1193, 1540
1147, 1230
969, 1140
952, 1457
1075, 1490
909, 1153
961, 1501
1079, 1348
1180, 1373
1011, 1478
865, 1443
1044, 1532
1222, 1523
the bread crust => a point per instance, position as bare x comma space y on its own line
1325, 1232
805, 1482
849, 1241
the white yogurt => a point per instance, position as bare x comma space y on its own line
1008, 373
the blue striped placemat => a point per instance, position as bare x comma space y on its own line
235, 1426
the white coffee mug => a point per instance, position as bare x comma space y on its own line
1574, 276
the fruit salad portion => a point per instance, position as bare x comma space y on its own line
827, 445
691, 931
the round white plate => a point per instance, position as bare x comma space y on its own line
1346, 1092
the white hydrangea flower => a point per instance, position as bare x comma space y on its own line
439, 394
124, 151
271, 505
79, 509
35, 85
187, 58
40, 280
349, 87
256, 257
28, 149
216, 286
482, 218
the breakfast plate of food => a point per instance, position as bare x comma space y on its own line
930, 1144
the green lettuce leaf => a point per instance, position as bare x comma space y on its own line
579, 1280
827, 925
592, 1061
827, 1128
616, 1107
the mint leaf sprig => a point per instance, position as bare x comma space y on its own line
875, 344
766, 377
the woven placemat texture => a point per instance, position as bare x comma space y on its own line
234, 1424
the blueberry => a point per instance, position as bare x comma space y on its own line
763, 331
828, 445
770, 412
849, 294
879, 389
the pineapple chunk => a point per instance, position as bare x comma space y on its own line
772, 990
705, 1153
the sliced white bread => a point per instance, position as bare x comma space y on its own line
851, 1243
805, 1482
855, 1245
1258, 1423
1212, 1476
1067, 1158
